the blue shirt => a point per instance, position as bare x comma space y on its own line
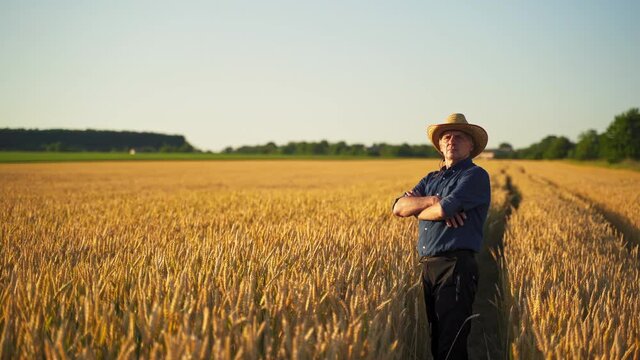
463, 187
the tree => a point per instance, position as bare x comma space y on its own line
321, 148
622, 138
289, 149
55, 147
405, 150
387, 150
536, 151
338, 148
557, 148
587, 147
358, 150
186, 147
506, 147
425, 151
504, 151
551, 147
302, 148
374, 150
270, 148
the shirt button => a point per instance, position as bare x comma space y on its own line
425, 228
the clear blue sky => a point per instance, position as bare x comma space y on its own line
230, 73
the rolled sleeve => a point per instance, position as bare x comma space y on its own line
450, 206
471, 191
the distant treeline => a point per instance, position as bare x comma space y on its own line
337, 149
620, 141
91, 140
343, 149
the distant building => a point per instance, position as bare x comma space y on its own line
487, 155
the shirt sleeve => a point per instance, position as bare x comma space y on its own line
472, 190
419, 189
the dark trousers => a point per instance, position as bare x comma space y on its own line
450, 282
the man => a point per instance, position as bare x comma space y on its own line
451, 205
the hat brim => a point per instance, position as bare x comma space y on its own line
478, 134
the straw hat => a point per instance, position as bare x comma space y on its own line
459, 122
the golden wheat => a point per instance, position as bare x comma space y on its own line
280, 259
573, 280
613, 192
224, 260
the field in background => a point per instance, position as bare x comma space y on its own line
44, 156
572, 269
303, 258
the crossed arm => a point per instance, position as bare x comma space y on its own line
425, 208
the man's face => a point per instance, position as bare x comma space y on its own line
455, 145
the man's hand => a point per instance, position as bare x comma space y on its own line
456, 220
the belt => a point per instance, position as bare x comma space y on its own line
448, 253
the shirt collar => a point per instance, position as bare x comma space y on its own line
461, 165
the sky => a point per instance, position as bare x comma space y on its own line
232, 73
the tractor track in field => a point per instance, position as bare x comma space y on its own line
489, 338
619, 223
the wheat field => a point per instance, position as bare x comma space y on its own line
299, 259
574, 281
